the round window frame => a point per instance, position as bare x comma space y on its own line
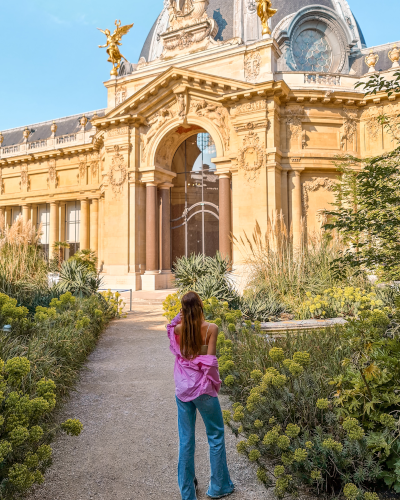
296, 36
333, 33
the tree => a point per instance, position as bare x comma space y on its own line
367, 212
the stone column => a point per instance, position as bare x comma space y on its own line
2, 218
165, 228
284, 197
62, 222
8, 216
94, 225
34, 216
225, 246
151, 228
26, 212
53, 234
296, 207
84, 227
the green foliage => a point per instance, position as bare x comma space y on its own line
208, 276
347, 302
87, 258
332, 442
78, 279
42, 357
367, 214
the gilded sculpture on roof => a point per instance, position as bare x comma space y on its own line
113, 43
265, 12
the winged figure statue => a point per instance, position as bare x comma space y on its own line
112, 45
265, 12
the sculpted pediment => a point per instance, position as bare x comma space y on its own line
170, 83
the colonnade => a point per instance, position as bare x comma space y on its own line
88, 222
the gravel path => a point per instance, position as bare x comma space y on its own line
128, 449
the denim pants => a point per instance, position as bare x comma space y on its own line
210, 410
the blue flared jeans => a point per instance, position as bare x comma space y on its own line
210, 411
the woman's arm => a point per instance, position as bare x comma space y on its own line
212, 344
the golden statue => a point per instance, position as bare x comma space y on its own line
264, 12
113, 41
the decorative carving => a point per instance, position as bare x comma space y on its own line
373, 125
82, 167
247, 107
189, 25
294, 118
371, 61
117, 131
118, 172
181, 102
252, 66
120, 94
24, 177
217, 114
349, 124
94, 164
313, 185
394, 56
251, 151
156, 122
52, 178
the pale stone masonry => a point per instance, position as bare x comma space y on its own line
213, 130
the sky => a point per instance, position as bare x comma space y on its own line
51, 65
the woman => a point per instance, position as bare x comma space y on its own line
193, 341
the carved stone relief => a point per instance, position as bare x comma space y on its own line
248, 107
24, 184
251, 156
118, 131
94, 164
120, 94
349, 125
52, 178
313, 185
373, 125
294, 118
252, 66
117, 174
217, 114
155, 123
82, 167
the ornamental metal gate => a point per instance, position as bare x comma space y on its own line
194, 198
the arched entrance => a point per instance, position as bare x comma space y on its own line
195, 198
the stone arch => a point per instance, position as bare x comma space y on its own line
162, 136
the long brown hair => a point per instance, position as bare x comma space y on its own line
192, 318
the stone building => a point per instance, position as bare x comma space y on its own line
214, 129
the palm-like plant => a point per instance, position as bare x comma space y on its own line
76, 278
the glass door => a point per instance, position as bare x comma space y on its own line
194, 198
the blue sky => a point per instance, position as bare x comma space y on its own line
51, 65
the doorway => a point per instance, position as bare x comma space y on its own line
194, 198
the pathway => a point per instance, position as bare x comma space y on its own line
125, 400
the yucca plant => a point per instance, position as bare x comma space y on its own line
208, 276
78, 279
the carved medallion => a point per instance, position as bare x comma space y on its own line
252, 66
251, 156
118, 172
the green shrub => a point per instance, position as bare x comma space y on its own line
208, 276
78, 279
294, 420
